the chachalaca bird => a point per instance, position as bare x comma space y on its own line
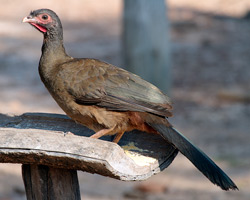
108, 99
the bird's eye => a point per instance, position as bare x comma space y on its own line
45, 17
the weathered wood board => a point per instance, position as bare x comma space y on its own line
57, 141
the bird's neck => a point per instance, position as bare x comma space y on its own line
53, 46
53, 53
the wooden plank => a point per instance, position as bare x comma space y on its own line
57, 141
45, 183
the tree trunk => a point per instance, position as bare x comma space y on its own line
146, 47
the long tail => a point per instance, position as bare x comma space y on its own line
195, 155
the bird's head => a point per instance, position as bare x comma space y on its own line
45, 20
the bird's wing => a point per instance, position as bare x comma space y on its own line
98, 83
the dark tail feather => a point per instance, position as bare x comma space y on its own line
196, 156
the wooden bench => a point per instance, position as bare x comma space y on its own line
52, 147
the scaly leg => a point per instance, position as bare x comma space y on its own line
103, 132
118, 137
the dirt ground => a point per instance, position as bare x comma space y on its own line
211, 82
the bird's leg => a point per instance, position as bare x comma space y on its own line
118, 136
103, 132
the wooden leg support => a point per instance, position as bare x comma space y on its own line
46, 183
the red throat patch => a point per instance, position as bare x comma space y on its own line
40, 28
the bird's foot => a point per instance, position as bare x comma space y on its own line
103, 132
118, 136
110, 131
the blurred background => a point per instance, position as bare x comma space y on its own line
209, 50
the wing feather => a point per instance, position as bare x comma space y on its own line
104, 85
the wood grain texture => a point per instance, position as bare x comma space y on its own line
56, 141
44, 183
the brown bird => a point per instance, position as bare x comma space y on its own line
110, 100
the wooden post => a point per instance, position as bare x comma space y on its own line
46, 183
146, 46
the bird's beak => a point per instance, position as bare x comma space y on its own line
29, 19
33, 21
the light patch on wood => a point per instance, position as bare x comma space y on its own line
135, 153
